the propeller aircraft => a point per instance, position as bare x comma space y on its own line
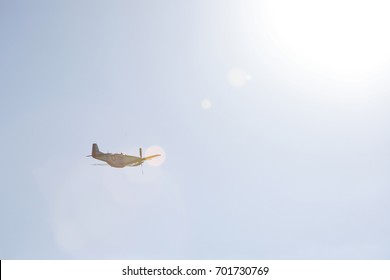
119, 160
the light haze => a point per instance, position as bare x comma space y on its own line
273, 117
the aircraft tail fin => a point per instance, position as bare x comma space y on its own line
95, 150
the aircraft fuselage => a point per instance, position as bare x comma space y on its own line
119, 160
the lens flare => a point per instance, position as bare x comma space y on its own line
238, 77
157, 161
206, 104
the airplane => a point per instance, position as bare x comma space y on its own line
119, 160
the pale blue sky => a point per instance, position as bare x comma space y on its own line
290, 162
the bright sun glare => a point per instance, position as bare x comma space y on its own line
347, 38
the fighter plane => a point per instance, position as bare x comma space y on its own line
119, 160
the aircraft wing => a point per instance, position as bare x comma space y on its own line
150, 157
133, 161
132, 158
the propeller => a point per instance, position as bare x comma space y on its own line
140, 155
